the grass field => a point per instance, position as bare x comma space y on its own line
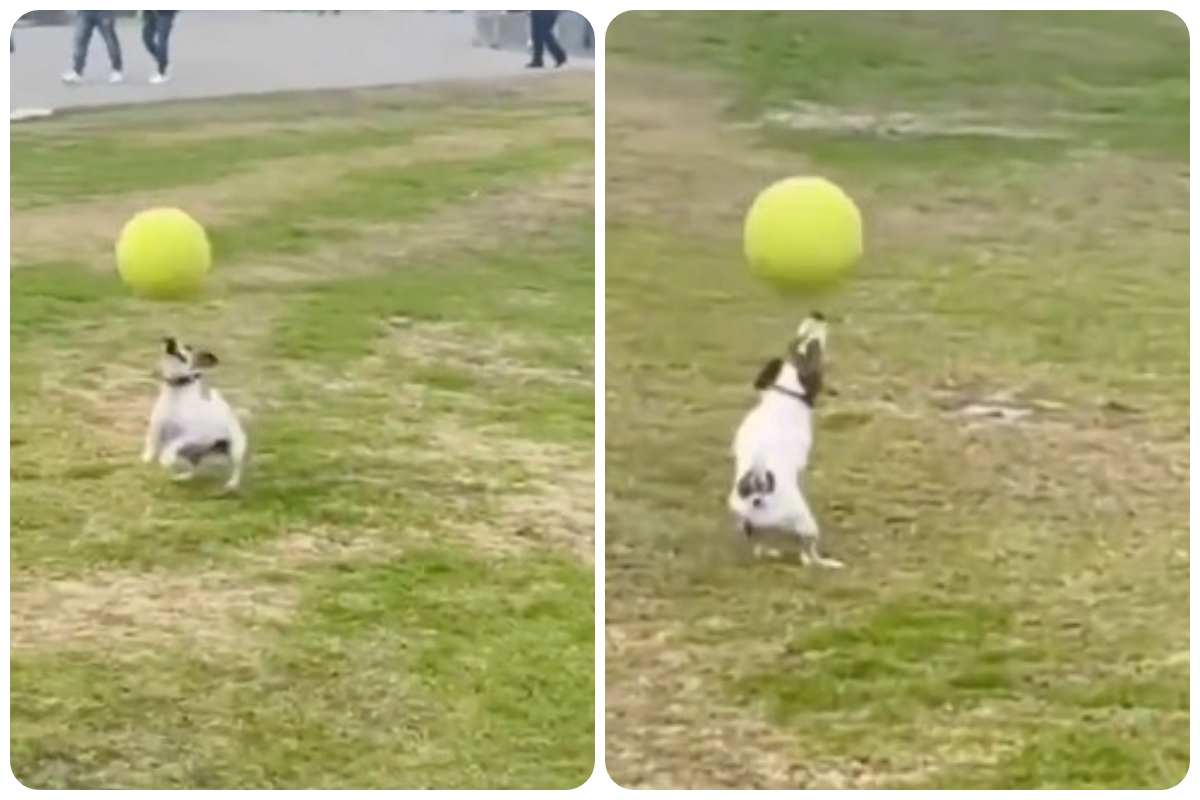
1005, 468
402, 594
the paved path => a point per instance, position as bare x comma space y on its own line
219, 53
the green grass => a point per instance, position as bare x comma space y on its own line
1019, 62
1014, 609
91, 157
353, 693
371, 610
389, 194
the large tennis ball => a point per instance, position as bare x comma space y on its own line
163, 254
803, 234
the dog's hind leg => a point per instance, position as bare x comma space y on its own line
806, 528
237, 459
171, 453
809, 554
745, 528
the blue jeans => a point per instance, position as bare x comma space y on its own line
542, 23
156, 31
85, 23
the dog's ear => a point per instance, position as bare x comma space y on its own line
768, 374
171, 346
206, 360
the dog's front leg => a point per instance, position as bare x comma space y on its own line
169, 454
150, 449
237, 456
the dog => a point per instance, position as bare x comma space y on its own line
773, 441
191, 420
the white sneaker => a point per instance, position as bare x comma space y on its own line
71, 76
158, 77
116, 77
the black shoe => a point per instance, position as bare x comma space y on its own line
534, 65
560, 62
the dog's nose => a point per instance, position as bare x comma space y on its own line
757, 502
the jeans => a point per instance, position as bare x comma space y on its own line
85, 23
542, 23
156, 32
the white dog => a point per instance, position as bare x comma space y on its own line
772, 445
191, 420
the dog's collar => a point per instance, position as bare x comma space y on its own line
803, 398
183, 380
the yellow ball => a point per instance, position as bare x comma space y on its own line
803, 234
163, 254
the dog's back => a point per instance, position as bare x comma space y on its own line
771, 450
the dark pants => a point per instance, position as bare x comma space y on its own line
156, 32
542, 23
85, 23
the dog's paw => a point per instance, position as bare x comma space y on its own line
179, 477
830, 563
147, 456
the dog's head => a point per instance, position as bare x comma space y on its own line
181, 362
804, 360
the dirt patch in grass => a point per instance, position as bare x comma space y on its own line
130, 613
302, 549
492, 356
551, 506
688, 737
803, 116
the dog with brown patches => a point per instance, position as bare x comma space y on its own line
772, 444
191, 421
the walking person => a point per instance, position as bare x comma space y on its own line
156, 33
86, 22
541, 24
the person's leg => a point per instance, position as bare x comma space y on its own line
149, 23
107, 23
162, 36
537, 25
552, 44
85, 23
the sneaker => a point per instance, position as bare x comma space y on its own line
71, 76
116, 77
159, 77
